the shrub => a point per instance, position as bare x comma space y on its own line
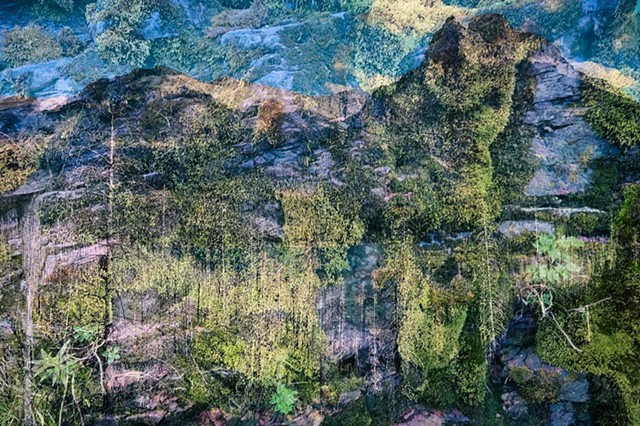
607, 334
435, 342
321, 223
539, 386
123, 47
16, 164
626, 227
24, 45
122, 41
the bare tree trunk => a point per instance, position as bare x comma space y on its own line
106, 261
32, 268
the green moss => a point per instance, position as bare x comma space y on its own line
17, 162
415, 207
30, 44
626, 226
449, 113
585, 224
613, 114
430, 331
5, 255
216, 348
324, 222
439, 339
356, 414
376, 409
513, 162
539, 386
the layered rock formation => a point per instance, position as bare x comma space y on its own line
208, 178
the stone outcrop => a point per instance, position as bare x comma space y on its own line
531, 386
563, 143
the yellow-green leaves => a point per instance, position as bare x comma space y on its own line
284, 399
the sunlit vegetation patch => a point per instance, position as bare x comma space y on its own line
415, 15
449, 113
189, 293
253, 324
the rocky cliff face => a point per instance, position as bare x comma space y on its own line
251, 232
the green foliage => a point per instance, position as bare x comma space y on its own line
415, 207
626, 226
111, 354
284, 399
378, 54
218, 349
438, 334
265, 307
71, 298
512, 160
85, 334
320, 219
377, 409
355, 414
243, 307
30, 44
557, 264
122, 42
486, 265
17, 162
431, 329
614, 115
323, 222
282, 8
448, 114
59, 368
123, 47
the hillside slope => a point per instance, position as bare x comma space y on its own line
178, 251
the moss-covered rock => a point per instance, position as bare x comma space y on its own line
613, 114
